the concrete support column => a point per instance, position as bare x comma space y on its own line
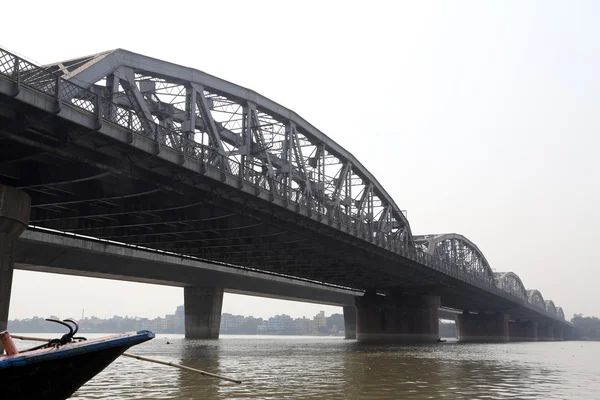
14, 217
482, 327
412, 318
569, 333
545, 333
202, 307
559, 333
350, 322
523, 331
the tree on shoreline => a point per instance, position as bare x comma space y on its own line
589, 327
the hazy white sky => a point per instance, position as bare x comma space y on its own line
479, 118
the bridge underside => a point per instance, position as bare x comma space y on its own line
53, 253
88, 184
204, 283
50, 252
85, 184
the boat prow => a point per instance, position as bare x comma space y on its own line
55, 373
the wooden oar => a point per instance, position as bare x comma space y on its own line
170, 364
181, 367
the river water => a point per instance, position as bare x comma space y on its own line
284, 367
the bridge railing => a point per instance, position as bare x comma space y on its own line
65, 93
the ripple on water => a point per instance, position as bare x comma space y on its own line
333, 368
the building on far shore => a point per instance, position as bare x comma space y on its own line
319, 321
175, 323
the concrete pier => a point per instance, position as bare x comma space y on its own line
350, 322
403, 318
202, 312
14, 217
559, 333
482, 327
523, 331
545, 333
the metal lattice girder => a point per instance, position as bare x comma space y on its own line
534, 297
459, 250
560, 313
511, 283
274, 144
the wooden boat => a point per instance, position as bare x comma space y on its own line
54, 371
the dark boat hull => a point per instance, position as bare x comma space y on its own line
54, 379
57, 376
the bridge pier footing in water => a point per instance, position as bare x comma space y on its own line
482, 327
401, 318
558, 333
202, 307
350, 322
546, 333
523, 331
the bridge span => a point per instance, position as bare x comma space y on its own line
123, 147
53, 252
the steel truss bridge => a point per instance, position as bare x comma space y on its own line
127, 148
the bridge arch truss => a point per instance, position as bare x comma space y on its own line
511, 283
550, 307
242, 132
458, 250
535, 298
